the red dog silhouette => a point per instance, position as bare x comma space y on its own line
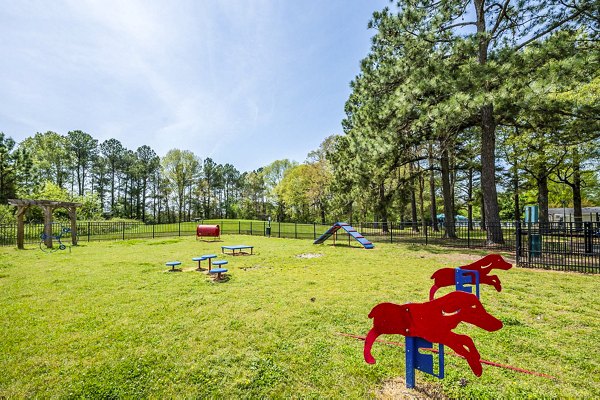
445, 276
434, 321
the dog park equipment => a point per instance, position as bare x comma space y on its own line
202, 258
218, 270
58, 237
434, 321
239, 248
447, 276
199, 259
213, 231
465, 280
351, 232
173, 264
48, 207
486, 362
424, 324
423, 362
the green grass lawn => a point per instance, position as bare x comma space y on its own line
106, 320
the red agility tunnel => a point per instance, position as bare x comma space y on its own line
208, 231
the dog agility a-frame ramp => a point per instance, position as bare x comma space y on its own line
350, 230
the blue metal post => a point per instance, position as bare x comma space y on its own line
422, 362
463, 277
410, 362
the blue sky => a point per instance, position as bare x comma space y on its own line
243, 82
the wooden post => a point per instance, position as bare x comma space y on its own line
48, 225
21, 227
73, 218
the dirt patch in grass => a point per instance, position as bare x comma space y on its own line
396, 389
309, 255
253, 267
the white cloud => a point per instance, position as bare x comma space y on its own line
216, 77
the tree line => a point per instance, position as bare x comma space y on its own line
497, 99
112, 181
460, 107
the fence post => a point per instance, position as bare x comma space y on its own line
152, 231
426, 238
469, 236
123, 224
391, 226
239, 227
89, 229
180, 227
279, 233
314, 231
587, 231
295, 230
518, 234
251, 228
264, 228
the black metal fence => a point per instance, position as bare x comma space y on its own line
571, 246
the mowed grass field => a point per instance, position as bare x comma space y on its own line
107, 321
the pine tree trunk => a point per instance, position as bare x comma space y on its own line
470, 199
576, 187
483, 222
413, 200
449, 224
421, 201
542, 182
488, 142
516, 193
488, 176
433, 209
413, 211
382, 208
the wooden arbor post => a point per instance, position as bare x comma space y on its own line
73, 217
48, 206
21, 226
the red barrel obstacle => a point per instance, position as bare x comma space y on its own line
203, 231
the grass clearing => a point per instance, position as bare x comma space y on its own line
106, 320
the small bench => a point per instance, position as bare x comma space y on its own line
220, 262
218, 270
238, 247
173, 264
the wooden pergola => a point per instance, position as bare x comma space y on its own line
48, 206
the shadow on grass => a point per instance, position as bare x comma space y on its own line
224, 279
435, 249
346, 245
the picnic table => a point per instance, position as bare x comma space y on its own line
239, 248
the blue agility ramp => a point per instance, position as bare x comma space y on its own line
350, 230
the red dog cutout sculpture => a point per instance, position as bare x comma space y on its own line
445, 276
434, 321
